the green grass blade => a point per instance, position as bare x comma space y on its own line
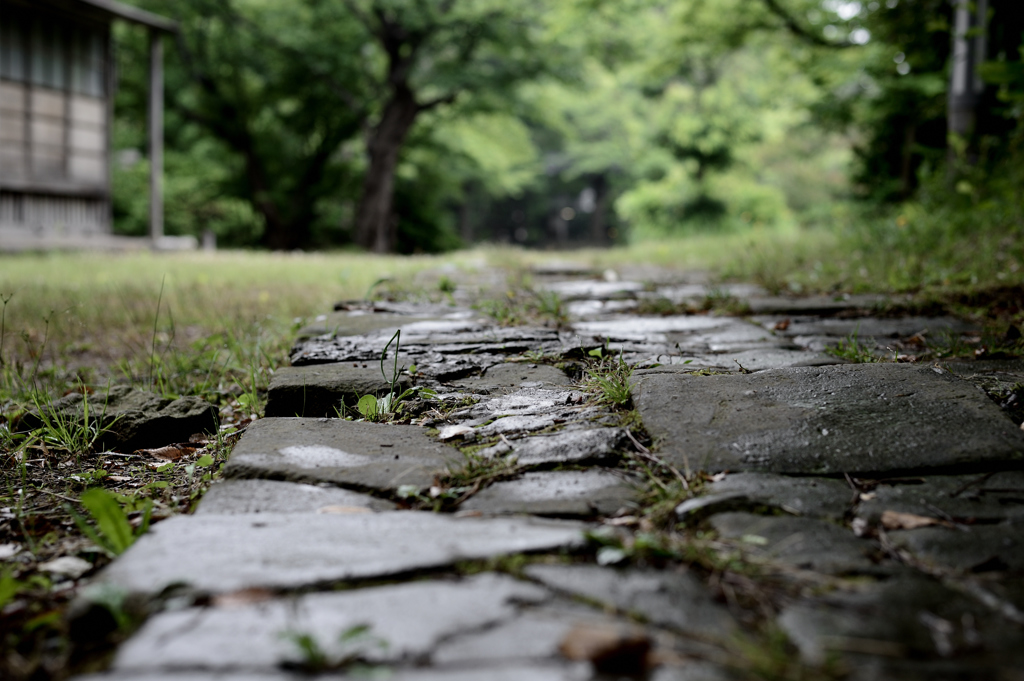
110, 519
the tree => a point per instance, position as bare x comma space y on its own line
430, 54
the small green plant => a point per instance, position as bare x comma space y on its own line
354, 645
63, 429
373, 408
113, 533
852, 349
608, 378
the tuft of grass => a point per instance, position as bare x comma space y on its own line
852, 349
608, 379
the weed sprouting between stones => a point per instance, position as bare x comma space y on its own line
388, 407
518, 307
608, 379
852, 349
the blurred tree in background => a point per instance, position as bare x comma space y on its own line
412, 125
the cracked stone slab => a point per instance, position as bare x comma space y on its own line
962, 498
325, 389
976, 548
869, 327
352, 454
224, 553
549, 671
533, 634
557, 493
649, 329
671, 599
859, 418
594, 290
514, 375
769, 358
806, 496
356, 323
908, 618
571, 445
801, 543
411, 619
130, 419
813, 305
273, 496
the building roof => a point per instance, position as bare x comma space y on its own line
103, 10
133, 14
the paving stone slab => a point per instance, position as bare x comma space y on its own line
869, 327
666, 598
573, 445
352, 454
326, 389
977, 548
356, 323
273, 496
769, 358
802, 543
513, 375
130, 419
511, 672
860, 418
534, 634
224, 553
813, 305
649, 329
410, 619
963, 498
593, 290
557, 493
908, 618
806, 496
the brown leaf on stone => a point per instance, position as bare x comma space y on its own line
782, 326
343, 510
168, 453
242, 597
609, 648
894, 520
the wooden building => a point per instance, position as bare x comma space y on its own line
56, 111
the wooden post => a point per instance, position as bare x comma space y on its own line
156, 135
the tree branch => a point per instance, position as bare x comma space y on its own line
799, 31
438, 101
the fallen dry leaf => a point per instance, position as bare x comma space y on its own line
783, 325
343, 510
608, 648
168, 453
242, 597
893, 520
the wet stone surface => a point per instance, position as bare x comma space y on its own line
863, 418
558, 493
225, 553
871, 512
364, 456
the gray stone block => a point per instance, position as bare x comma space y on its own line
673, 599
326, 389
134, 419
224, 553
977, 548
272, 496
806, 496
557, 493
567, 446
411, 619
352, 454
801, 543
963, 498
861, 418
514, 375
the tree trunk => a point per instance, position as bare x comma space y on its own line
374, 224
599, 218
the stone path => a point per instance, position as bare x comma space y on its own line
831, 520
